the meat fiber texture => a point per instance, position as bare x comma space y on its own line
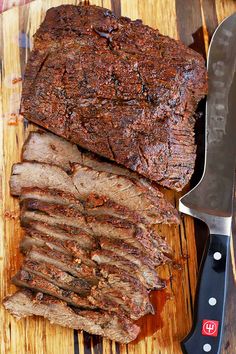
90, 245
118, 88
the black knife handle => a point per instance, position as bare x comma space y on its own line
206, 333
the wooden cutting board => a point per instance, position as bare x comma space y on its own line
192, 21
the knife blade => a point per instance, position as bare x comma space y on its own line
211, 199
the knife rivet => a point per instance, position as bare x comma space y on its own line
207, 348
217, 256
212, 301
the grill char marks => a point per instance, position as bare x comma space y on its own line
82, 246
132, 102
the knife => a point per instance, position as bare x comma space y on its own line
211, 199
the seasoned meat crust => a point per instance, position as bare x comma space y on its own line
118, 88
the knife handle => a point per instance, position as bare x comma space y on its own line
206, 333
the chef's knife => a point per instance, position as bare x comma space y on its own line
211, 199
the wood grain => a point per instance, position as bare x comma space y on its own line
161, 334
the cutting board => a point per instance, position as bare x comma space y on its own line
191, 21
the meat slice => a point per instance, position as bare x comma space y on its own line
62, 153
125, 192
57, 151
43, 176
51, 149
33, 238
25, 303
50, 196
130, 252
29, 280
69, 235
58, 277
55, 220
73, 266
135, 256
122, 291
147, 276
132, 100
104, 225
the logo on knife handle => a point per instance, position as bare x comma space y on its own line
210, 328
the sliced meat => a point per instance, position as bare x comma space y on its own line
50, 196
56, 150
138, 236
107, 226
43, 176
29, 280
69, 264
132, 253
70, 248
124, 191
69, 233
51, 149
95, 204
58, 277
25, 303
54, 220
125, 291
147, 276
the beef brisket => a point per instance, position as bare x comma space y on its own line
100, 226
83, 240
67, 263
30, 280
40, 175
25, 303
58, 277
147, 276
118, 88
95, 200
125, 192
126, 293
51, 149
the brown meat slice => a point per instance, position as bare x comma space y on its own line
43, 176
138, 236
56, 150
50, 196
58, 277
95, 204
147, 276
132, 253
125, 291
126, 192
69, 233
29, 280
105, 225
54, 220
74, 266
120, 89
37, 239
48, 148
25, 303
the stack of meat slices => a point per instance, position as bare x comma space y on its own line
90, 249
